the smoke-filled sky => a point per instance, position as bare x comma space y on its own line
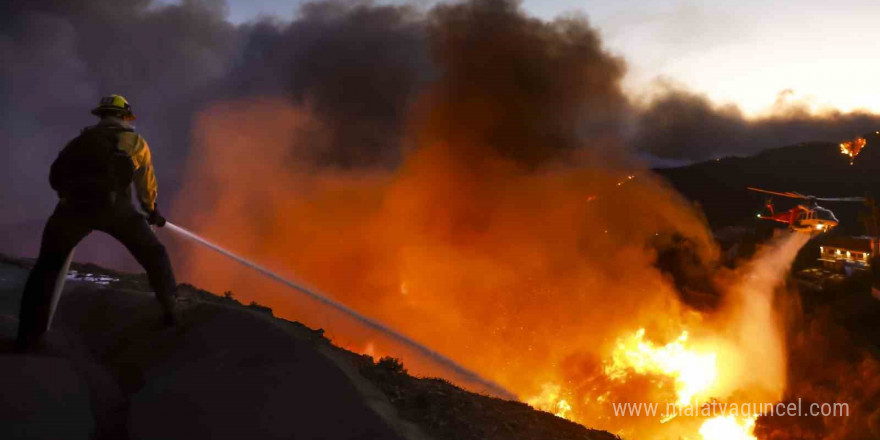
743, 52
360, 66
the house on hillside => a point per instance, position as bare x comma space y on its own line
846, 254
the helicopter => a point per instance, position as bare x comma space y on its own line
807, 218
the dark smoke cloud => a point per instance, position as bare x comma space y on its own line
60, 56
358, 67
679, 124
355, 65
531, 89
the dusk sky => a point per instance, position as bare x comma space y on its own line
745, 52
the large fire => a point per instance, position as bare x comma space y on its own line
551, 400
852, 148
696, 377
518, 276
693, 371
728, 428
513, 236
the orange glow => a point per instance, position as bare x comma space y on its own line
692, 371
539, 281
728, 428
551, 400
852, 148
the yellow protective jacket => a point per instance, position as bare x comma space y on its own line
145, 184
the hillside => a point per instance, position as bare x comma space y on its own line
108, 370
816, 168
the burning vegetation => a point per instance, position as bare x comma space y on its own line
852, 148
512, 237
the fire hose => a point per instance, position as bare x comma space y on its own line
313, 294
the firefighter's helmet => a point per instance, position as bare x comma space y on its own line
113, 104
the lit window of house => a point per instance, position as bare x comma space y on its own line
845, 253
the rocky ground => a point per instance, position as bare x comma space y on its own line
109, 370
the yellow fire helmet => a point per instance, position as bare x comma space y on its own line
115, 104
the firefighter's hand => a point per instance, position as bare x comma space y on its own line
154, 218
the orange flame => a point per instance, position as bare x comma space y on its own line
729, 428
519, 275
692, 371
551, 400
852, 148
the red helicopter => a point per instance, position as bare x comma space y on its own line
809, 218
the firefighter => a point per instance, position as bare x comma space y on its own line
92, 176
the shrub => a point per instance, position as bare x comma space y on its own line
391, 365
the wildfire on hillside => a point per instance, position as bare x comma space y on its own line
684, 375
852, 148
509, 272
505, 239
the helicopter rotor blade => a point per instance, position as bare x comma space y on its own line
786, 194
840, 199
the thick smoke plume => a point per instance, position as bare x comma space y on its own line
678, 124
500, 79
356, 67
58, 57
359, 68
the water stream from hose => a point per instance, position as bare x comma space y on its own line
491, 387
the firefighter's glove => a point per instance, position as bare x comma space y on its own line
154, 218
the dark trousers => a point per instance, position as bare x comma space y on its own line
69, 224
